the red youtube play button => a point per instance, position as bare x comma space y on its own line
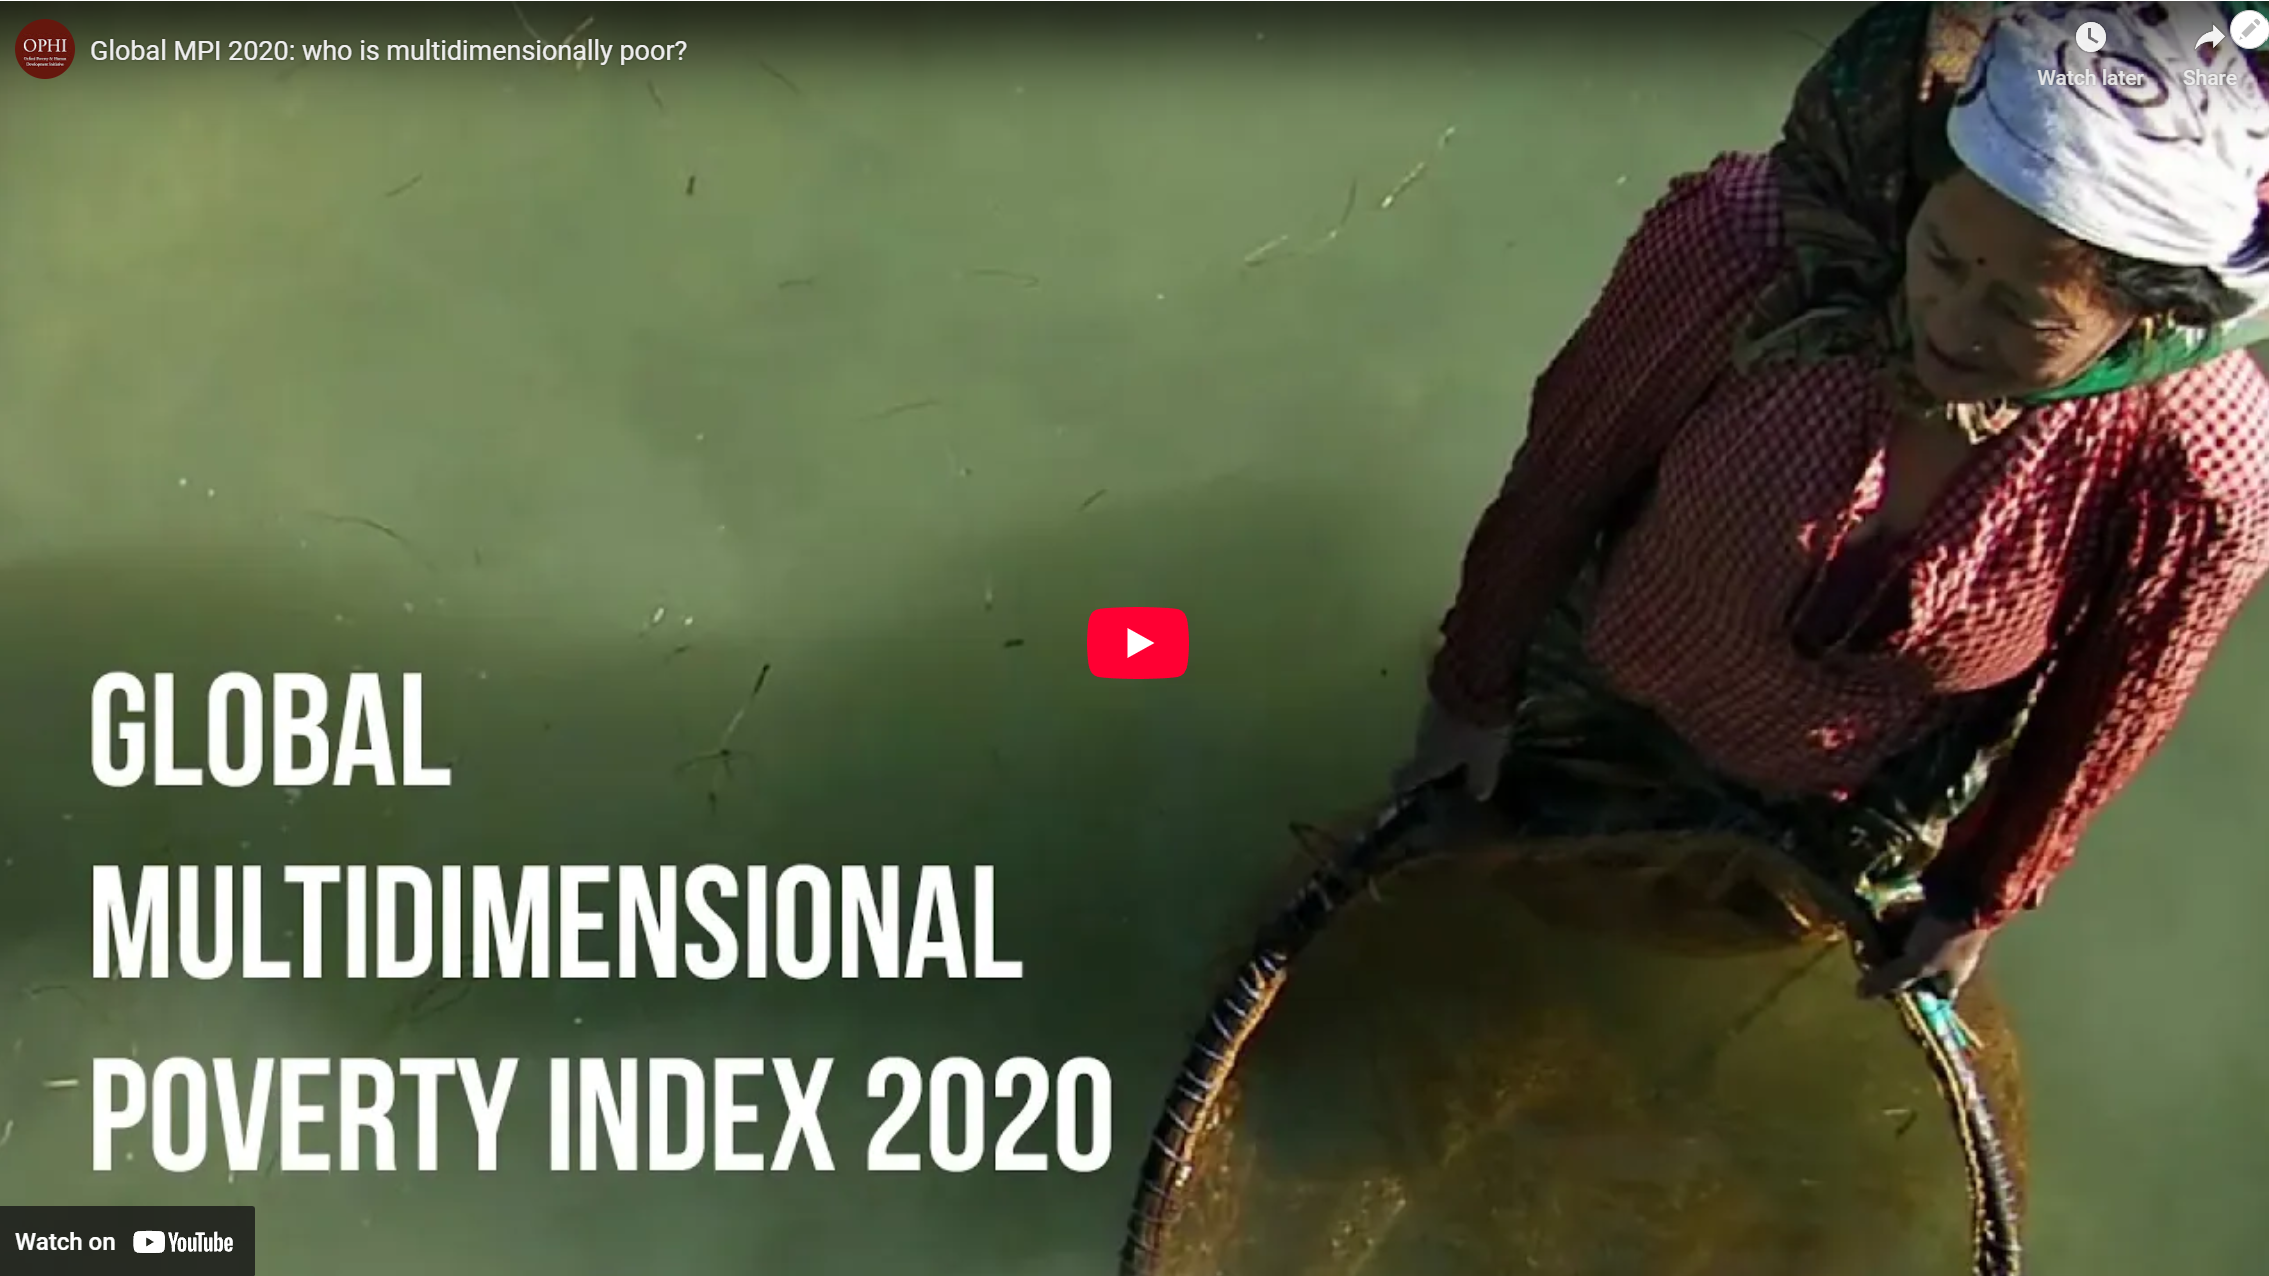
1138, 642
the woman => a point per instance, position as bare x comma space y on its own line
1896, 490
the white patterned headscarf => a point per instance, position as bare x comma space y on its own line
2152, 147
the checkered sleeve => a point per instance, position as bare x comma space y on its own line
2185, 563
1602, 412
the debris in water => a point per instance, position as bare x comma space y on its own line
900, 409
426, 1002
64, 990
1017, 277
357, 520
540, 38
1417, 170
721, 757
1259, 256
774, 72
1346, 210
1269, 251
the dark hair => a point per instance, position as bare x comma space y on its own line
2192, 296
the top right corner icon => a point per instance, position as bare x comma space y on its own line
2248, 29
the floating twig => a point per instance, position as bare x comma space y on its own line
900, 409
1409, 180
1346, 210
540, 38
569, 38
356, 520
656, 95
1274, 248
1806, 36
1417, 170
1092, 497
774, 72
413, 1007
1017, 277
425, 1002
1259, 256
721, 757
690, 179
404, 188
800, 281
65, 990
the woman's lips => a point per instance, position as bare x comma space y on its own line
1939, 356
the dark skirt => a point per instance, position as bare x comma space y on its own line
1585, 762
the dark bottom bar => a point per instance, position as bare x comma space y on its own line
126, 1240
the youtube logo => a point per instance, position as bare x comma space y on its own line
1138, 642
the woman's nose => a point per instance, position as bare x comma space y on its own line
1958, 330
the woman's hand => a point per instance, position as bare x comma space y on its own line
1448, 746
1935, 947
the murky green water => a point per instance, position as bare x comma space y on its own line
878, 362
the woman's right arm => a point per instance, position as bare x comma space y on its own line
1662, 330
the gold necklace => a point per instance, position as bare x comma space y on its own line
1978, 422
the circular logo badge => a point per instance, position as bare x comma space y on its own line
45, 49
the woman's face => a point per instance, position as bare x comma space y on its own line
2000, 304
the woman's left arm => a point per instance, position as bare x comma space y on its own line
2184, 565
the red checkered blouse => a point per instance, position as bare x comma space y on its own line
2110, 540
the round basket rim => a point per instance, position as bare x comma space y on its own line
1241, 1005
